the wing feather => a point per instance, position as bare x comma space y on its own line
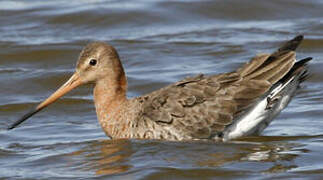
203, 106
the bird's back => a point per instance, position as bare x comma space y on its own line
209, 107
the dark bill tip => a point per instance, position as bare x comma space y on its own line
72, 83
23, 118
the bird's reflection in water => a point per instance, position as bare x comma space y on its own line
104, 157
260, 154
277, 152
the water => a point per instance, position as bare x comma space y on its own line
160, 42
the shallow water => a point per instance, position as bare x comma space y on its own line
159, 42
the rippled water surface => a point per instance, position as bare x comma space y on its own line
160, 42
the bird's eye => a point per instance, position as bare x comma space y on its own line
92, 62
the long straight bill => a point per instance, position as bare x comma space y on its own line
72, 83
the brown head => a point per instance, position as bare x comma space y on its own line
98, 62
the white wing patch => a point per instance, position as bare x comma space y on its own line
259, 117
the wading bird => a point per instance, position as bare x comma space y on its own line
221, 107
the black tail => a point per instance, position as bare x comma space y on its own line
299, 67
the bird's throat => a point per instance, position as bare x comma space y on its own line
109, 98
